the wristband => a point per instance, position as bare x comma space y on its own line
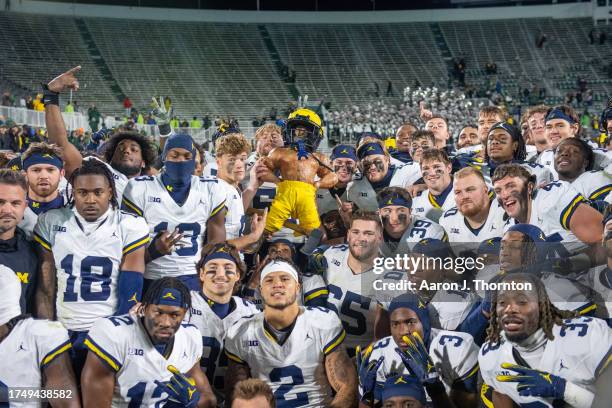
164, 129
50, 97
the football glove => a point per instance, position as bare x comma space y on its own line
162, 115
417, 358
367, 372
534, 383
181, 390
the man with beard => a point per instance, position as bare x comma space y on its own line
437, 198
349, 273
444, 362
232, 150
92, 253
296, 350
126, 154
534, 117
214, 310
401, 229
403, 142
538, 354
505, 144
574, 163
562, 122
147, 359
467, 139
179, 209
477, 216
343, 162
16, 251
44, 171
557, 208
376, 174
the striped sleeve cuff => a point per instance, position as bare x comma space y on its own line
132, 246
42, 242
217, 209
131, 207
109, 360
56, 352
234, 357
604, 363
600, 192
566, 214
313, 294
336, 341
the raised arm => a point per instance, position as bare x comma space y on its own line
327, 178
56, 129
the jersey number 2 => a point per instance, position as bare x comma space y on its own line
297, 378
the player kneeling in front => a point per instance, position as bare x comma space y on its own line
33, 354
150, 360
294, 349
538, 355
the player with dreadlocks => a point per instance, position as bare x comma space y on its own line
537, 353
150, 358
91, 253
126, 153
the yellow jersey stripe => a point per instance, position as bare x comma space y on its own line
135, 245
566, 215
332, 345
471, 373
132, 206
484, 396
217, 209
233, 357
52, 355
600, 191
604, 363
586, 308
433, 201
315, 294
112, 363
42, 242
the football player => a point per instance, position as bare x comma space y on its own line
91, 253
44, 169
574, 162
33, 352
477, 216
214, 310
444, 362
536, 353
253, 393
403, 142
403, 392
400, 227
487, 117
557, 208
468, 139
438, 197
535, 116
149, 359
505, 144
439, 127
348, 272
231, 151
296, 350
343, 160
127, 153
376, 174
179, 209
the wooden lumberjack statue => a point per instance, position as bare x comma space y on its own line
299, 165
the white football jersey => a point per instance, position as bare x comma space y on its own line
463, 237
542, 174
326, 202
601, 158
408, 174
351, 296
419, 228
210, 166
552, 209
593, 185
147, 196
234, 218
462, 362
361, 192
295, 369
124, 346
27, 350
567, 293
429, 206
579, 350
598, 279
32, 212
213, 331
88, 265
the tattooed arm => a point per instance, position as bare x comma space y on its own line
342, 376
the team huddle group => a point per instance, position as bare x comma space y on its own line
181, 277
